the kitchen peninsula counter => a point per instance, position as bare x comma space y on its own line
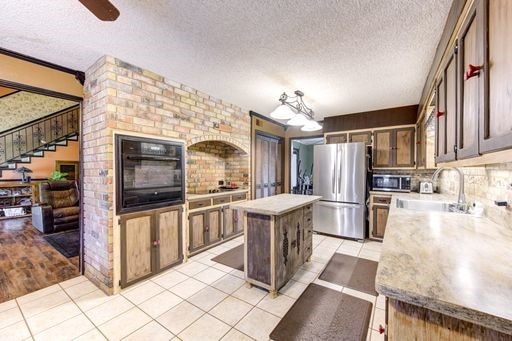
278, 238
449, 263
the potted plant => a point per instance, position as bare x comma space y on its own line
56, 176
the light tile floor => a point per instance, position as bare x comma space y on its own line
197, 300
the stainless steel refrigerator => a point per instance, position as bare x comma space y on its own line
339, 176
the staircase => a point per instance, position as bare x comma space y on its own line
19, 145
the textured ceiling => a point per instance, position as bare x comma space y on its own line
347, 56
22, 107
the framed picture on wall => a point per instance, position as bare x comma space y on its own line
70, 167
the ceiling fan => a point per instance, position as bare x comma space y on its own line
103, 9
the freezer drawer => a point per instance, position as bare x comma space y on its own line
340, 219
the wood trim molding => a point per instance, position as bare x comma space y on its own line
46, 92
255, 114
503, 156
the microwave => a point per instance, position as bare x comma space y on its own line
391, 183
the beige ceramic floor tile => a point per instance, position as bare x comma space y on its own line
73, 281
305, 277
209, 275
251, 296
370, 254
231, 310
375, 335
238, 273
187, 288
151, 331
52, 317
381, 302
219, 250
109, 310
222, 267
159, 304
293, 289
277, 306
142, 292
328, 285
10, 316
81, 289
16, 331
235, 335
8, 305
359, 294
207, 298
228, 283
44, 303
379, 318
66, 330
38, 294
313, 266
192, 268
348, 250
93, 335
372, 245
258, 324
170, 279
206, 328
124, 324
93, 299
180, 317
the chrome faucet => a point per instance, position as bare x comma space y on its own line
462, 198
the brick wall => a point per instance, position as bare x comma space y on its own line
126, 98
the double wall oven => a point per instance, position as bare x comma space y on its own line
150, 173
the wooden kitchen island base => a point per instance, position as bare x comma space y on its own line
278, 238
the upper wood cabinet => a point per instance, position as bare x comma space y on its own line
336, 138
394, 147
361, 136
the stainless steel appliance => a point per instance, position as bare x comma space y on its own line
339, 176
150, 173
391, 183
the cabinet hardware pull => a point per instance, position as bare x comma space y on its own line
439, 114
473, 70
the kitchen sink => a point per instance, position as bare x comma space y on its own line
428, 205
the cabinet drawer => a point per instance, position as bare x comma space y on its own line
308, 209
199, 204
221, 200
382, 200
238, 197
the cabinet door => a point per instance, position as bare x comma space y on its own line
336, 138
361, 136
380, 218
496, 123
238, 221
197, 230
168, 230
228, 222
471, 89
279, 167
258, 192
420, 145
404, 147
450, 114
214, 227
272, 167
382, 156
440, 119
136, 248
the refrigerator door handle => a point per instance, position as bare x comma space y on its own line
334, 178
338, 204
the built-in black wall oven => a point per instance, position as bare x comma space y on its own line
150, 173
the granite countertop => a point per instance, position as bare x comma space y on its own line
218, 194
276, 204
455, 264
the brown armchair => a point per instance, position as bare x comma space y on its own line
58, 209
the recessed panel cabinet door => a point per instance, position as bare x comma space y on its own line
169, 237
450, 116
380, 218
383, 148
137, 244
440, 119
213, 228
496, 122
361, 136
404, 147
336, 138
197, 229
228, 222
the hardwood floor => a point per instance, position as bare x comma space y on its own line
27, 262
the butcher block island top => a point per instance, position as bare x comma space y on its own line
277, 204
278, 234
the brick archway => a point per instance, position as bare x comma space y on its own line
225, 139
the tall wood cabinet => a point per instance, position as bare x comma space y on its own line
336, 138
268, 166
394, 147
150, 243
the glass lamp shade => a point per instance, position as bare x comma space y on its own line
298, 120
311, 126
282, 112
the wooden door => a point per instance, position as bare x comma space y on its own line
214, 225
471, 89
336, 138
168, 234
361, 136
197, 230
380, 218
382, 150
496, 122
136, 247
403, 148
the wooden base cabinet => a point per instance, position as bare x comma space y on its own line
232, 222
379, 210
150, 243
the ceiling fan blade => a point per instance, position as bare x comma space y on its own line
103, 9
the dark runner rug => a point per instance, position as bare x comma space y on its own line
321, 313
351, 272
67, 242
233, 258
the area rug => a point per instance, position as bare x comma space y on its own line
321, 313
233, 258
67, 242
351, 272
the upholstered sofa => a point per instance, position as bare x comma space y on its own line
58, 209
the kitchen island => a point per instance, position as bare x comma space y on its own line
444, 276
278, 238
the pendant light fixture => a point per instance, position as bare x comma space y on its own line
296, 112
